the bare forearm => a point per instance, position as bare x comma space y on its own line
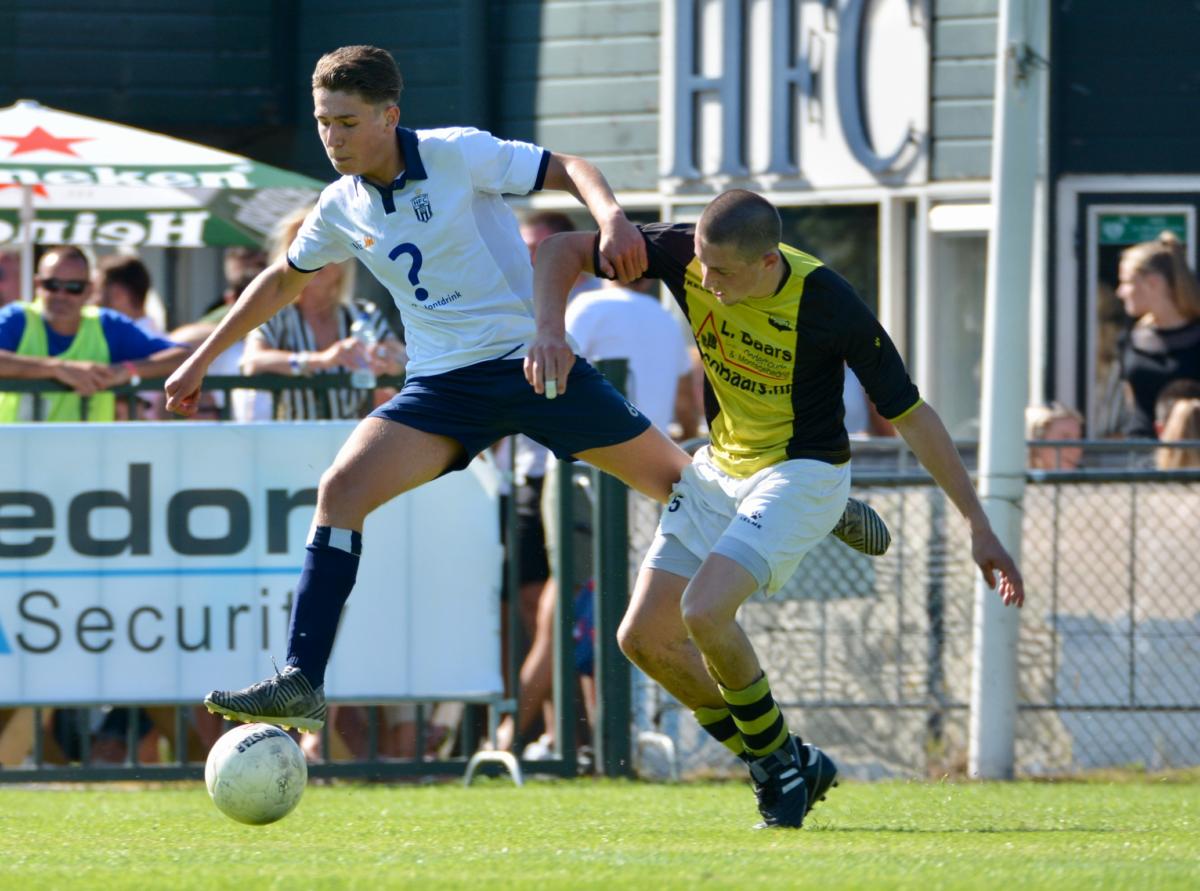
18, 367
264, 360
687, 411
582, 179
560, 260
272, 290
161, 363
930, 442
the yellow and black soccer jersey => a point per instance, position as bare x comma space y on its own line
773, 366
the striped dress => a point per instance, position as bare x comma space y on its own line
287, 330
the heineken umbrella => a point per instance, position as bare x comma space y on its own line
70, 179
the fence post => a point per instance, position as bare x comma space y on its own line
614, 709
1005, 376
564, 624
935, 653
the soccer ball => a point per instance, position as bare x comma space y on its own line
256, 774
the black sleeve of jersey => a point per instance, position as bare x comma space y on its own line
670, 247
865, 346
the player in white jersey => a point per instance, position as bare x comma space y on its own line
423, 211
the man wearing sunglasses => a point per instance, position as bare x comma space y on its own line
89, 349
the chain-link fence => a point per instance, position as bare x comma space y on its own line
872, 657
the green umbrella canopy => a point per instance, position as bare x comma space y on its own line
81, 180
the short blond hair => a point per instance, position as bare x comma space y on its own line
1183, 423
1038, 418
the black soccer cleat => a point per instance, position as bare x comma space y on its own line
819, 772
780, 787
287, 700
862, 529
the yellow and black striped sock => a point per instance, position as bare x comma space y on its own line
757, 717
718, 723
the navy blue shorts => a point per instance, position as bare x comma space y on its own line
480, 404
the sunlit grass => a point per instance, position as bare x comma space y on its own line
587, 834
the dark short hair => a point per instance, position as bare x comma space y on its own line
554, 220
743, 220
367, 71
128, 272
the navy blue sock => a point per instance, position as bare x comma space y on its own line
330, 567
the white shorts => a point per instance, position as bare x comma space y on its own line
767, 522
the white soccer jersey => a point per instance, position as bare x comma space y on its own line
442, 241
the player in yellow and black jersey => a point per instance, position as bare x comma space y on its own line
774, 364
774, 326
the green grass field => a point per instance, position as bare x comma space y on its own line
589, 834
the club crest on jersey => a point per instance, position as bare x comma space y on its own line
421, 207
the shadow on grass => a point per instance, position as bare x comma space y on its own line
988, 830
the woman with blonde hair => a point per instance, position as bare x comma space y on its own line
312, 336
1161, 293
1183, 425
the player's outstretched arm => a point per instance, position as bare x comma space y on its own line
274, 288
622, 248
925, 434
560, 259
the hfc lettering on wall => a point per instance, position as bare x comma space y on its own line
814, 93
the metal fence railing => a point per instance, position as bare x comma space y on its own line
165, 741
132, 397
870, 657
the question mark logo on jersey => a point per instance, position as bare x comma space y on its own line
413, 271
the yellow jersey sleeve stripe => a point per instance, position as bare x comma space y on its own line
908, 411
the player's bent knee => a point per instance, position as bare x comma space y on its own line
649, 652
343, 497
632, 641
701, 619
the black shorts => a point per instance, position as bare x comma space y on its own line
533, 562
480, 404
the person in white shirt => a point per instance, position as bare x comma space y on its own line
614, 322
424, 212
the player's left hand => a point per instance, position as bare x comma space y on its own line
622, 250
998, 567
549, 360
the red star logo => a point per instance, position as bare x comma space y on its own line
37, 140
38, 190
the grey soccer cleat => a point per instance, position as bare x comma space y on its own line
780, 786
287, 700
862, 529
